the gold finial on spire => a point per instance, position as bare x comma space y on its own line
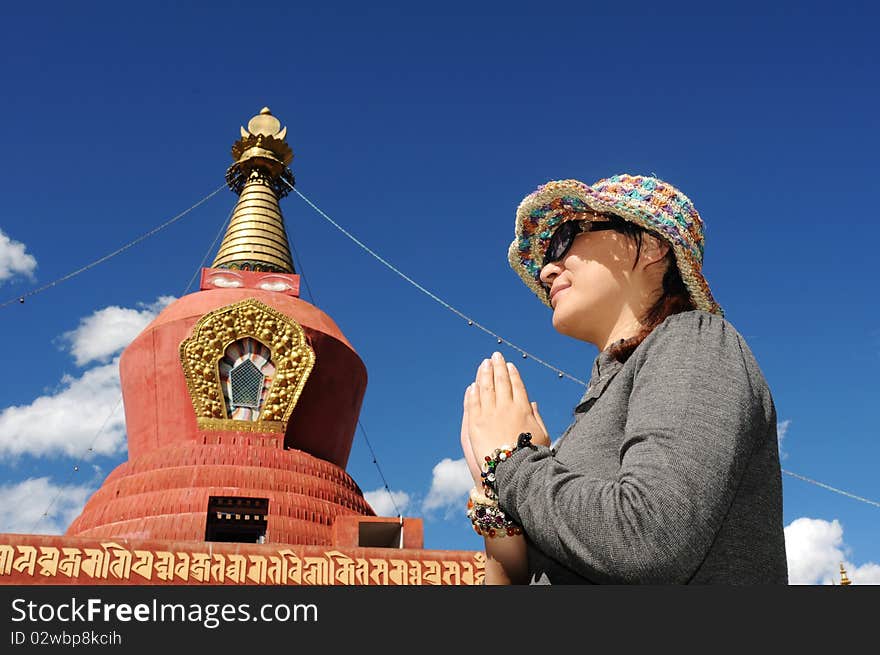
843, 579
256, 239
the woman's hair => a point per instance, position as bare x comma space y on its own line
674, 297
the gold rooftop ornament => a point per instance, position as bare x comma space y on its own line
255, 239
843, 579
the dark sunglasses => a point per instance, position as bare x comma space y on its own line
563, 237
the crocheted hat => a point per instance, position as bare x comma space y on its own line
646, 201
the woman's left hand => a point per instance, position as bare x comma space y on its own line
498, 409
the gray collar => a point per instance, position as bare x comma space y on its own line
605, 366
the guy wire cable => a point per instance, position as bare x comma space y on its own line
210, 250
436, 298
471, 321
75, 469
20, 298
360, 425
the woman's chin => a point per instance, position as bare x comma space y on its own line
562, 323
572, 324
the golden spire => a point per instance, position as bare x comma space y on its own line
843, 579
255, 239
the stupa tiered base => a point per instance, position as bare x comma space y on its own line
166, 493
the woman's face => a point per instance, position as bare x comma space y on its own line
594, 288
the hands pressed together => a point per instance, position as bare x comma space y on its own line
496, 411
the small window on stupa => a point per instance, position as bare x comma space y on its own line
234, 519
246, 385
246, 375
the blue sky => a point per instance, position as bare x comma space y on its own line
420, 130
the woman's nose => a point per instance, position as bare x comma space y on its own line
549, 273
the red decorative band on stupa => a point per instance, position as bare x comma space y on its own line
165, 494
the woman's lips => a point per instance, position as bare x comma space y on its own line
555, 293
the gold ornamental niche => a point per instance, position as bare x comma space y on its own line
245, 366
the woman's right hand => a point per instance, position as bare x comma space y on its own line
474, 466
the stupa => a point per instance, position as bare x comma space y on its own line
241, 403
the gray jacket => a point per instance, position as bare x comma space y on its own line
668, 474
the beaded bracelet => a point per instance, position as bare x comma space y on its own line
481, 499
499, 455
488, 519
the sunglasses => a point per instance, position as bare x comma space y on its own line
563, 237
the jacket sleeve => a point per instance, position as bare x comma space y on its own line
695, 414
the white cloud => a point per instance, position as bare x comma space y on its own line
77, 415
66, 422
815, 551
381, 501
450, 485
22, 506
13, 258
865, 574
781, 430
104, 333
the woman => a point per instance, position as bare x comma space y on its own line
670, 471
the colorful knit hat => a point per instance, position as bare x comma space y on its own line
646, 201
